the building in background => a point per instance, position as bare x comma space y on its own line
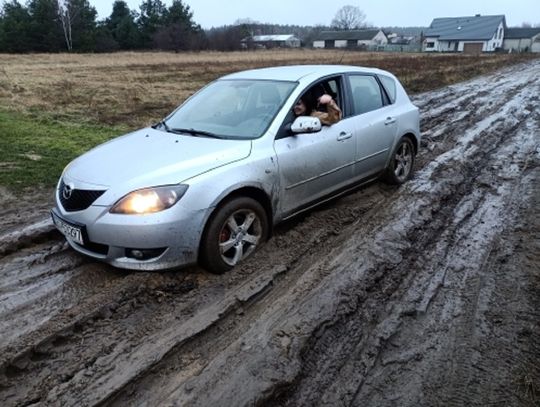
522, 40
367, 39
271, 41
473, 34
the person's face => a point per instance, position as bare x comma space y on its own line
299, 108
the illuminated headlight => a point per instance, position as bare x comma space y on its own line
149, 200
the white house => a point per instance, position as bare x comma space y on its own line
473, 34
522, 40
273, 41
351, 39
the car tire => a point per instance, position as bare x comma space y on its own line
235, 230
400, 167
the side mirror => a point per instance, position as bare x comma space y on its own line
306, 124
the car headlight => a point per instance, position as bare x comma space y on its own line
149, 200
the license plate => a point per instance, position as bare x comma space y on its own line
70, 231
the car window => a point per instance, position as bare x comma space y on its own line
329, 86
232, 108
390, 87
333, 88
366, 93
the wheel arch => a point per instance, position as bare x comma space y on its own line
258, 195
408, 135
252, 192
414, 141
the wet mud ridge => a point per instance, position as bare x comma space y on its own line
423, 295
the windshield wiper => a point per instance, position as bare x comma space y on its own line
196, 133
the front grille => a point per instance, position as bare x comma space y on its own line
79, 199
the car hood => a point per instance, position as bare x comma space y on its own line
149, 157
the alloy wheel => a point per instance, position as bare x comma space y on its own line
239, 236
403, 161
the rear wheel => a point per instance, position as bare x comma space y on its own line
233, 233
401, 163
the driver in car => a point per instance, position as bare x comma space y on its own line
324, 107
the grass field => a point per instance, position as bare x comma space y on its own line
55, 106
34, 150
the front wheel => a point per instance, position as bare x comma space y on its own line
233, 233
401, 163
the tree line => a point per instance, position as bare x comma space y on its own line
72, 25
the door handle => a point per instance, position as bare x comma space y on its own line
389, 120
344, 136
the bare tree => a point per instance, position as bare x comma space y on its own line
66, 24
78, 20
66, 17
349, 18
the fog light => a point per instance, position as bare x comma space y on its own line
138, 254
145, 254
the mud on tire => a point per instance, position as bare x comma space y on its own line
400, 167
235, 230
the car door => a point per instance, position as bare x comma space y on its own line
375, 124
313, 165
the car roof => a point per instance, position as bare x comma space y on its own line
296, 73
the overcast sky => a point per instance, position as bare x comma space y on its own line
214, 13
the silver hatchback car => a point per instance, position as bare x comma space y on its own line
208, 182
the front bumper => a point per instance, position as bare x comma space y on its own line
108, 237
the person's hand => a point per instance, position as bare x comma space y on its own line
325, 99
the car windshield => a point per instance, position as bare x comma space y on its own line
231, 109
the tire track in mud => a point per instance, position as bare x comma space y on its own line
24, 219
30, 287
79, 341
457, 250
274, 317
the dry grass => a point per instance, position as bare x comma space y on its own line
138, 88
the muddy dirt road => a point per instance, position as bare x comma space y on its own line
423, 295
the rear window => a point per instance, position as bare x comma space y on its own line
390, 87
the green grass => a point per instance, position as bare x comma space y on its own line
35, 149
